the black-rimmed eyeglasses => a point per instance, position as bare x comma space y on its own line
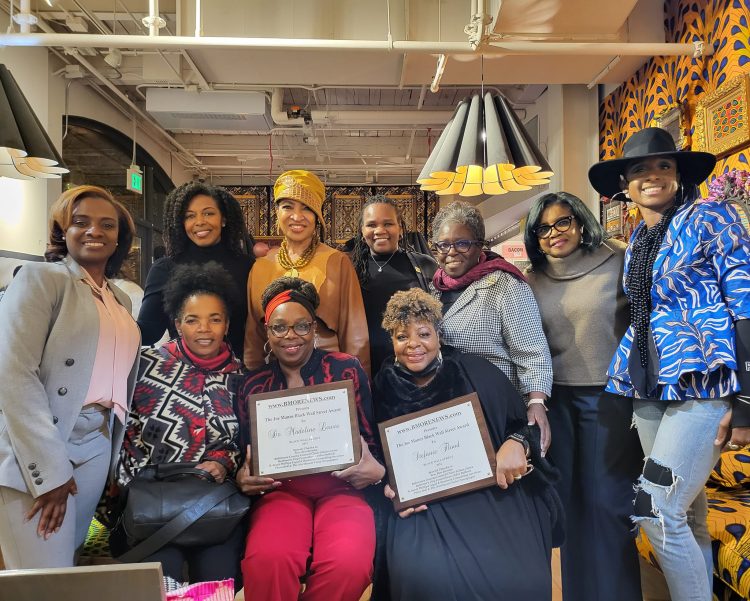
301, 328
461, 246
561, 225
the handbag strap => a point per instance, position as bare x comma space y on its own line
178, 524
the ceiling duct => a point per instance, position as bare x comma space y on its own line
183, 111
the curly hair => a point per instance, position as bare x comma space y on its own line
410, 305
61, 216
190, 279
593, 233
279, 285
462, 213
360, 252
234, 235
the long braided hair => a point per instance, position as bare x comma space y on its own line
234, 236
360, 254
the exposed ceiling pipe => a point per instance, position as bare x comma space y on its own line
351, 117
411, 143
24, 17
192, 159
154, 22
494, 47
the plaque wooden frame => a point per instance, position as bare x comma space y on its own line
315, 388
473, 398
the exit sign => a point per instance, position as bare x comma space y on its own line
135, 179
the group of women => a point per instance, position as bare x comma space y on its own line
81, 403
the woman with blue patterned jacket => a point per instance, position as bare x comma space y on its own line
685, 356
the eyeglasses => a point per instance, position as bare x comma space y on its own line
461, 246
301, 328
561, 225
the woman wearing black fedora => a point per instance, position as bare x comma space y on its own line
685, 355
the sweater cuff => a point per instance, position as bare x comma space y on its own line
741, 411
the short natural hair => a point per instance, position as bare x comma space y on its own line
462, 213
61, 216
299, 285
196, 279
406, 306
593, 233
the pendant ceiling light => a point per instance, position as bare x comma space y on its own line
484, 149
26, 152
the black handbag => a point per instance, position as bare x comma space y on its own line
180, 504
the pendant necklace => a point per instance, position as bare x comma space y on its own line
380, 267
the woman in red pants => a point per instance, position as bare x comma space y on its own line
317, 525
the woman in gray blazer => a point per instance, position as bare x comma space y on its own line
68, 359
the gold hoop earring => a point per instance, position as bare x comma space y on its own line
267, 351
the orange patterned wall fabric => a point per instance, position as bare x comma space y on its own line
664, 82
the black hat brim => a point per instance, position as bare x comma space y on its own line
693, 166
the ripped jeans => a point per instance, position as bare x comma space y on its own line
670, 503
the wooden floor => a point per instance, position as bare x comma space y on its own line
556, 582
556, 578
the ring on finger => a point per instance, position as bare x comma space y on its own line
517, 476
732, 446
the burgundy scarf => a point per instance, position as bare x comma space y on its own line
212, 364
489, 262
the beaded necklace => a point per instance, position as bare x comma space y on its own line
292, 267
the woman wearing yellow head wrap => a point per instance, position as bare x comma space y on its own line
342, 325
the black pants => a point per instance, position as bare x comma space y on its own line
599, 457
216, 562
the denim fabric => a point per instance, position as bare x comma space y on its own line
679, 436
599, 458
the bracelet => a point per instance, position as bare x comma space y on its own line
522, 439
541, 402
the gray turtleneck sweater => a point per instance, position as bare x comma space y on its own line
584, 311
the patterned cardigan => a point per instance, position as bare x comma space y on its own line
701, 286
497, 318
180, 412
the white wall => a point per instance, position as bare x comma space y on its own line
24, 203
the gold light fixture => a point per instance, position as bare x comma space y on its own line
484, 149
26, 152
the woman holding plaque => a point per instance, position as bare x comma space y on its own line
489, 308
491, 543
324, 512
576, 276
341, 321
183, 410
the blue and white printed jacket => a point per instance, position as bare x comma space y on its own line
701, 286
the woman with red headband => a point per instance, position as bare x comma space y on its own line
325, 512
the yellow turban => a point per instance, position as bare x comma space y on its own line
302, 186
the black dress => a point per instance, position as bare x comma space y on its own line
153, 320
490, 544
400, 271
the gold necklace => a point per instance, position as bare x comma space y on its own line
292, 267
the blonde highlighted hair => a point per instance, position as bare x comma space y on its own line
61, 216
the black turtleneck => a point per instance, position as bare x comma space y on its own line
397, 274
152, 318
